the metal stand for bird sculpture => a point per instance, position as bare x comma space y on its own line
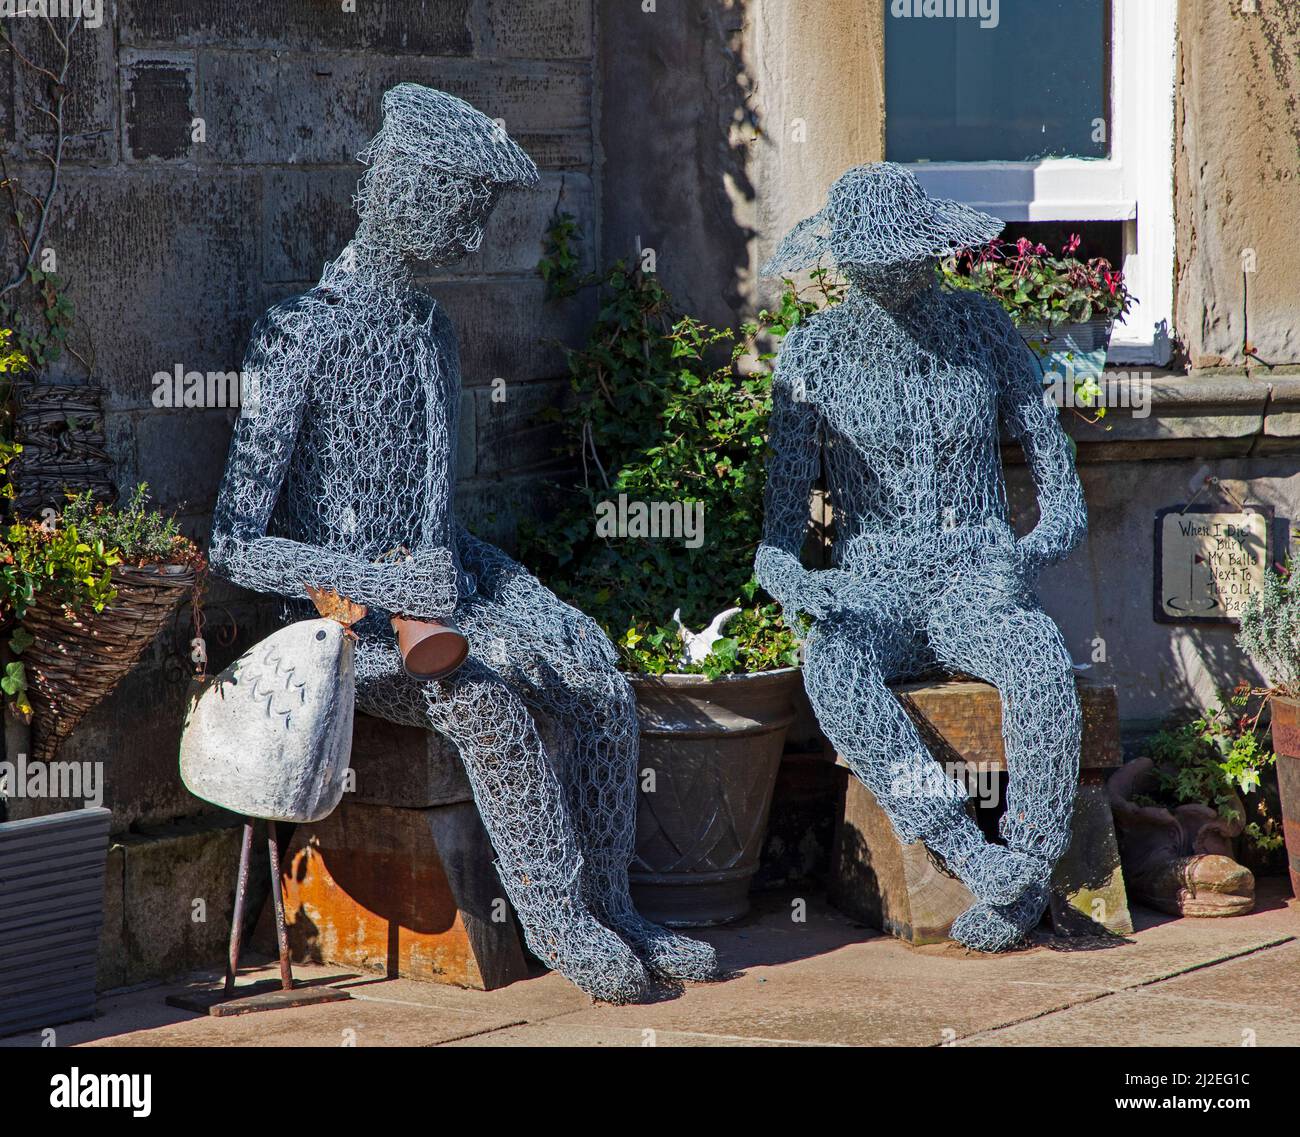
265, 994
271, 738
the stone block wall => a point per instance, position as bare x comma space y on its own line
209, 172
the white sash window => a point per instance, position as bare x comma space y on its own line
1047, 110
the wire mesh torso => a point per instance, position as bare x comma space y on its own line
370, 473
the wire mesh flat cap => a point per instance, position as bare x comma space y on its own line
879, 214
446, 133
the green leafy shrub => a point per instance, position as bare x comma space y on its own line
71, 562
72, 559
1210, 760
663, 411
1222, 761
55, 560
137, 534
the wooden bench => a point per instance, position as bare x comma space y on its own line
899, 889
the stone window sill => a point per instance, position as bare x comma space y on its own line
1198, 415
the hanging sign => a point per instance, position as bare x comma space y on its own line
1208, 560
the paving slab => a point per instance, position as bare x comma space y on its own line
1269, 978
817, 982
1144, 1018
142, 1018
561, 1034
802, 974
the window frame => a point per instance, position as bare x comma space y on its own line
1134, 186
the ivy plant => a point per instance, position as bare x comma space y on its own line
665, 408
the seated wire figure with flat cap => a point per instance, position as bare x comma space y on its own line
349, 454
898, 393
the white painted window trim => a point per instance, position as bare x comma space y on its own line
1135, 185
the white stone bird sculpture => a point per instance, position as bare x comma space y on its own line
697, 645
271, 736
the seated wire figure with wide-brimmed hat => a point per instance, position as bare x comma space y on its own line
898, 394
349, 456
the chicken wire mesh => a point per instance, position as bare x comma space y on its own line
897, 394
347, 456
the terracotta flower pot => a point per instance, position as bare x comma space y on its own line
713, 748
431, 649
1286, 741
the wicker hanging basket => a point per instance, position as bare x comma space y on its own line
74, 662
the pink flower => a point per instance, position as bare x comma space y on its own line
1072, 245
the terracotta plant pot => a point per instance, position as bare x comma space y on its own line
1286, 741
710, 751
431, 649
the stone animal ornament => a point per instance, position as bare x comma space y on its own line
897, 394
271, 736
350, 454
697, 645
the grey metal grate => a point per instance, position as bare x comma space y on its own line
51, 913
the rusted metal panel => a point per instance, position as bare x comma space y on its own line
403, 892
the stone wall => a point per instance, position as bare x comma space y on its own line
1237, 186
209, 173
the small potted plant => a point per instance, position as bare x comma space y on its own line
667, 426
88, 591
1270, 635
1064, 307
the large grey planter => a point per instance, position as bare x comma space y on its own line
710, 750
51, 914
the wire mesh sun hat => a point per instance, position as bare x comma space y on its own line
446, 133
878, 214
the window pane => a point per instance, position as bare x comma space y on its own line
1033, 84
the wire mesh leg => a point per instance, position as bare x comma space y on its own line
863, 718
596, 712
523, 809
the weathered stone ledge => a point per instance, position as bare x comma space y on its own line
1158, 414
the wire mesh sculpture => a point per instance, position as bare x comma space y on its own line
348, 454
897, 393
